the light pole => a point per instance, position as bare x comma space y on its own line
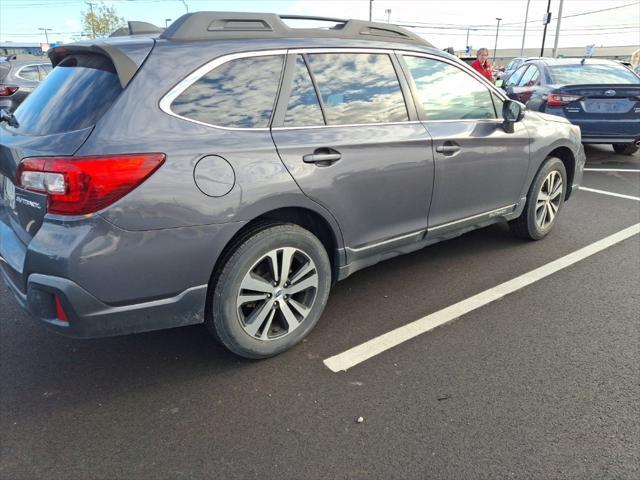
388, 12
46, 36
184, 2
370, 9
166, 22
495, 46
547, 19
555, 42
524, 32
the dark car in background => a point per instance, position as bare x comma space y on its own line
19, 76
602, 97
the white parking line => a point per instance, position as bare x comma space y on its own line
611, 194
375, 346
628, 170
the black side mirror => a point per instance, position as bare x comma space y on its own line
512, 112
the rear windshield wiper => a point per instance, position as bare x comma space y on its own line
6, 116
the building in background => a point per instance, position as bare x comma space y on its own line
16, 48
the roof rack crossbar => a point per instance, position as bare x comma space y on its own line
309, 17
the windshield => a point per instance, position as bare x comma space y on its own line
592, 74
73, 96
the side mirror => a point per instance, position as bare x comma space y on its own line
512, 112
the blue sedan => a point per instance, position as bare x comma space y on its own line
602, 97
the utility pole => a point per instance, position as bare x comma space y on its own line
388, 12
555, 42
184, 2
93, 19
370, 9
524, 32
467, 43
547, 19
45, 33
496, 44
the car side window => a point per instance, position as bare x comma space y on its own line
44, 70
530, 77
446, 92
304, 108
30, 73
358, 88
517, 75
240, 93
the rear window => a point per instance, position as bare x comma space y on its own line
591, 74
73, 96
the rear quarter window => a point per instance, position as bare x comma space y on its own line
240, 93
73, 96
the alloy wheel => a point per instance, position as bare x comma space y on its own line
548, 200
277, 293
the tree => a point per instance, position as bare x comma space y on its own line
100, 21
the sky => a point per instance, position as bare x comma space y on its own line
443, 22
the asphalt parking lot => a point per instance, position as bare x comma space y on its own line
543, 383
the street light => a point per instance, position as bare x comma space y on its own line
495, 46
166, 22
388, 12
46, 36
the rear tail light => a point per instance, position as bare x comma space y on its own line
84, 185
60, 313
558, 99
7, 90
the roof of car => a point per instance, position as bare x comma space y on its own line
242, 25
576, 61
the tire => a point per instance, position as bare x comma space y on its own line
535, 222
624, 148
242, 314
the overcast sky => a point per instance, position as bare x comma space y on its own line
443, 22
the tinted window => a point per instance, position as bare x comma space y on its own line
591, 74
517, 75
530, 77
240, 93
30, 73
44, 70
358, 88
303, 108
74, 95
448, 93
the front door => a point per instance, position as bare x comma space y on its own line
480, 169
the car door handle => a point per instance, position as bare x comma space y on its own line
447, 149
322, 157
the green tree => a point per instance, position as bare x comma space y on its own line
100, 21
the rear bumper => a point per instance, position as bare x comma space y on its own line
88, 317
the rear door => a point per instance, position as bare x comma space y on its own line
528, 83
355, 146
480, 169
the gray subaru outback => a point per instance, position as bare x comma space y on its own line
231, 169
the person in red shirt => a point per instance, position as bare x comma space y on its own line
481, 64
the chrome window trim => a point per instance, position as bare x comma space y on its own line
17, 74
174, 92
489, 214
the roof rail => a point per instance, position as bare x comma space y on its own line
136, 28
232, 25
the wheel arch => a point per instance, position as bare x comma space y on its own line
565, 154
